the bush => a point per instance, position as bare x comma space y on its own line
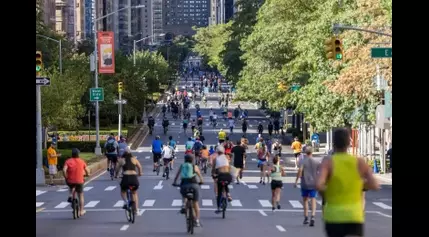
92, 132
83, 146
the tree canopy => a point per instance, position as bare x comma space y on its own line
282, 43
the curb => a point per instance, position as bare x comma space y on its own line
94, 170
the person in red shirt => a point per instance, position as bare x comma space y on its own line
74, 170
228, 145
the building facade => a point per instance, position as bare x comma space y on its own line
181, 15
49, 9
221, 11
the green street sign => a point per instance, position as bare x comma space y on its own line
96, 94
381, 52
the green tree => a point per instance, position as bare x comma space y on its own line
61, 102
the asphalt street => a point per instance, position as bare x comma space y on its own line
249, 214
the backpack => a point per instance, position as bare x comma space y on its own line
110, 147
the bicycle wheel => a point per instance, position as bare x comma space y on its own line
75, 208
132, 212
190, 219
157, 169
128, 213
223, 203
167, 172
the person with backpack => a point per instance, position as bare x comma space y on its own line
172, 143
261, 151
111, 151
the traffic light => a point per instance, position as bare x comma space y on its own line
39, 62
281, 86
338, 49
330, 48
120, 87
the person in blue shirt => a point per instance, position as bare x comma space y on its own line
211, 151
189, 145
156, 151
172, 143
198, 113
315, 141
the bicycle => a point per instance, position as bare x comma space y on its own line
112, 170
75, 205
130, 211
203, 163
167, 168
158, 167
189, 212
165, 130
223, 199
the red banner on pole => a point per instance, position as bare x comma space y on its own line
106, 52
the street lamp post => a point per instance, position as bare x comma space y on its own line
97, 114
60, 54
136, 41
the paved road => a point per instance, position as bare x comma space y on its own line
248, 215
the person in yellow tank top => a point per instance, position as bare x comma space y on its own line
342, 213
296, 147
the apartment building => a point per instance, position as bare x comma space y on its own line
221, 11
49, 8
181, 15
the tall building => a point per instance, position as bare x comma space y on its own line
49, 8
157, 22
221, 11
128, 25
181, 15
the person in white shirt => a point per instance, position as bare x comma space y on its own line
167, 156
214, 119
231, 124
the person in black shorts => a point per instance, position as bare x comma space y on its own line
239, 156
129, 178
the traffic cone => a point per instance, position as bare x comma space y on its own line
375, 167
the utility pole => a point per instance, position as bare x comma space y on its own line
120, 88
40, 172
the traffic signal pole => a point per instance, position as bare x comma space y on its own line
337, 27
120, 114
40, 172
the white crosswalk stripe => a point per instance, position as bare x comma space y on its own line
236, 203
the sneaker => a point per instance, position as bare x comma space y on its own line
278, 206
163, 175
218, 211
125, 206
305, 221
273, 208
260, 181
197, 223
182, 210
69, 199
312, 222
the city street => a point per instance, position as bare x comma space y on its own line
249, 214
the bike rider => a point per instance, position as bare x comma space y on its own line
111, 151
150, 124
211, 113
165, 124
164, 109
214, 119
129, 178
188, 172
156, 151
221, 173
260, 128
172, 143
167, 156
197, 148
189, 145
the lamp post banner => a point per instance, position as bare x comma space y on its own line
106, 52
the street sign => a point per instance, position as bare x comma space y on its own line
96, 94
43, 81
381, 52
119, 101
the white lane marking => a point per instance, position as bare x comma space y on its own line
230, 186
119, 203
147, 157
141, 212
124, 227
262, 213
176, 203
205, 187
252, 186
110, 188
86, 189
62, 205
63, 190
158, 186
280, 228
93, 178
38, 192
244, 183
253, 159
236, 203
92, 203
207, 202
295, 204
382, 205
382, 214
149, 203
39, 204
265, 203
